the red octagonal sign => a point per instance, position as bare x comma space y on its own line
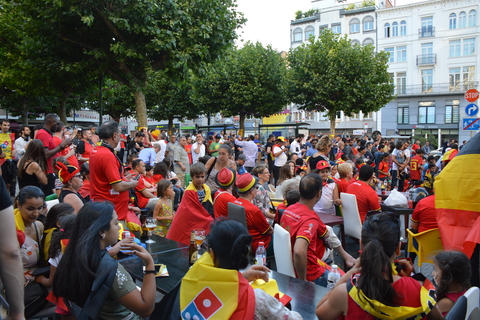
471, 95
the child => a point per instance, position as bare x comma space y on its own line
196, 208
163, 211
330, 194
85, 189
416, 165
451, 272
383, 167
148, 176
58, 182
430, 177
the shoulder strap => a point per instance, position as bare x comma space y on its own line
211, 168
25, 169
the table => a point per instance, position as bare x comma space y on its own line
305, 295
163, 245
175, 260
406, 212
331, 220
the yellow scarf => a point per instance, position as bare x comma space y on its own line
208, 195
48, 234
19, 224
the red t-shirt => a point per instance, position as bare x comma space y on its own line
85, 189
47, 139
188, 149
301, 222
416, 168
106, 170
256, 223
220, 203
141, 199
384, 167
342, 184
367, 198
72, 159
86, 150
425, 214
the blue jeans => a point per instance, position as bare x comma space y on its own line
322, 280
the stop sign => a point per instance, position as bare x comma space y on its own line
471, 95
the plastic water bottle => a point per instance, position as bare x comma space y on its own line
261, 254
333, 277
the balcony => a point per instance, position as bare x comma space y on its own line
426, 32
426, 59
435, 88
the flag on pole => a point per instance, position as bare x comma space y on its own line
457, 190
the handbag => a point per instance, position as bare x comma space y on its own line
34, 298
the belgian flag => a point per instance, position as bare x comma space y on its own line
457, 201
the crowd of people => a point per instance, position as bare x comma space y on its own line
106, 182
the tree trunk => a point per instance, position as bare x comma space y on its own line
332, 124
25, 111
62, 110
141, 108
242, 124
170, 126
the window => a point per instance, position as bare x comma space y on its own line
468, 78
368, 41
395, 29
402, 113
455, 48
392, 54
336, 29
454, 79
453, 21
427, 80
367, 23
354, 42
309, 32
403, 28
401, 54
426, 112
452, 114
401, 82
427, 27
322, 28
462, 20
472, 18
387, 30
354, 25
469, 47
297, 35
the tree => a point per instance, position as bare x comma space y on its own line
247, 82
128, 38
331, 75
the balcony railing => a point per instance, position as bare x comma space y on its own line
426, 59
426, 32
435, 88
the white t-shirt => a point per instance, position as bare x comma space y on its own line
281, 159
161, 154
296, 148
325, 204
195, 155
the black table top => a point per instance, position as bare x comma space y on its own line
163, 245
175, 260
305, 295
398, 210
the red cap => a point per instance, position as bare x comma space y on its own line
322, 164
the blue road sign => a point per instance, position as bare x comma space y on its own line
471, 123
471, 110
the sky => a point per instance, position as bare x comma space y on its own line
269, 20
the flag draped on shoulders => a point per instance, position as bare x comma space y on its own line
191, 214
457, 189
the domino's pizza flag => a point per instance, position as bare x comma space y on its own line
456, 199
215, 293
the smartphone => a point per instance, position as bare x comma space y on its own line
137, 177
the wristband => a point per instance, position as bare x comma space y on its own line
149, 271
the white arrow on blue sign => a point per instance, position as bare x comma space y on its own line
471, 123
471, 110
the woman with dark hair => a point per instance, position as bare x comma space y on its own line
51, 224
285, 174
72, 182
96, 227
215, 164
262, 200
228, 246
29, 205
373, 289
32, 166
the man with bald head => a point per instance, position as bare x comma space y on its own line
45, 134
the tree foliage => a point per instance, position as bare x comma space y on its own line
128, 38
247, 82
331, 75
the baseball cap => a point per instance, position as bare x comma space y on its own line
322, 164
218, 136
242, 157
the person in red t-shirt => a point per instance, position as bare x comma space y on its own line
384, 167
345, 170
85, 147
306, 232
67, 153
367, 198
46, 136
416, 166
225, 179
107, 181
424, 216
257, 224
416, 146
145, 196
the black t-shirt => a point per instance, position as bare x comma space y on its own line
4, 195
267, 145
